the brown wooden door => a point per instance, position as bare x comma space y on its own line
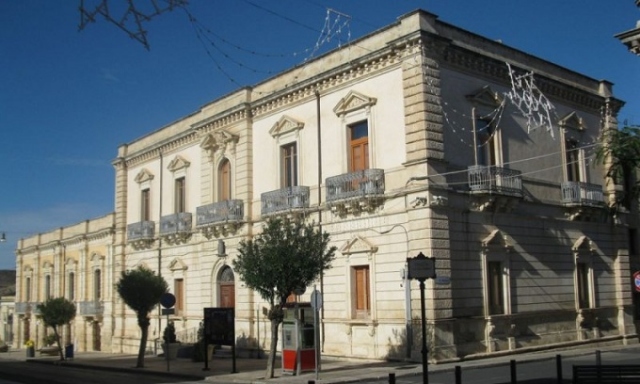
227, 295
359, 146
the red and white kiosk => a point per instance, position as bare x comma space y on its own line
298, 338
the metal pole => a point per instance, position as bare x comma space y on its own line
598, 357
166, 346
458, 374
392, 378
559, 368
425, 369
513, 372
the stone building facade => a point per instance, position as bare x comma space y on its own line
408, 140
75, 262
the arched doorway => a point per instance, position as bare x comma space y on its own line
227, 288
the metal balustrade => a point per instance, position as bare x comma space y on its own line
358, 184
284, 199
492, 179
175, 223
22, 307
578, 193
90, 308
220, 212
142, 230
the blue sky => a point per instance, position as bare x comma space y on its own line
68, 98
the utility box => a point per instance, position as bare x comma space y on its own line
298, 339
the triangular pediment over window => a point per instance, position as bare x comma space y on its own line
352, 102
358, 245
286, 124
572, 121
143, 176
178, 163
583, 245
497, 240
177, 265
485, 96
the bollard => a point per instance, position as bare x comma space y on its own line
598, 357
458, 373
559, 368
311, 382
513, 372
392, 378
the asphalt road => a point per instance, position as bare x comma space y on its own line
534, 372
24, 373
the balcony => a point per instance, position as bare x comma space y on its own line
22, 308
90, 309
176, 227
494, 187
220, 217
141, 234
355, 191
285, 200
582, 200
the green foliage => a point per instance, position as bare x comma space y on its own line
50, 339
199, 346
286, 255
620, 153
141, 289
57, 311
169, 335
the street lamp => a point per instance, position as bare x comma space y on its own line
3, 237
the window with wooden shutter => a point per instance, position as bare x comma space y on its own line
224, 180
178, 291
180, 195
359, 146
362, 291
496, 289
145, 205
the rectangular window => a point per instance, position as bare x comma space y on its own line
362, 291
289, 156
27, 289
495, 288
582, 271
359, 146
71, 284
97, 285
573, 160
178, 290
47, 287
145, 205
180, 195
486, 143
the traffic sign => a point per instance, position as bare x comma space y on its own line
316, 299
167, 300
636, 281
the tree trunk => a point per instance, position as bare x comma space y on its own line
143, 346
272, 349
55, 332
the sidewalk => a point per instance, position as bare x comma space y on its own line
251, 370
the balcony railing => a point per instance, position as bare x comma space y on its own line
142, 230
220, 212
22, 307
492, 179
285, 199
365, 183
90, 308
175, 223
578, 193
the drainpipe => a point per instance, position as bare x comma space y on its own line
160, 244
319, 125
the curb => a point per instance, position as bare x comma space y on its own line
139, 371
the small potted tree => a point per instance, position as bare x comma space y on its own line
170, 343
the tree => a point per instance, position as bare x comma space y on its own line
55, 313
620, 153
287, 255
141, 289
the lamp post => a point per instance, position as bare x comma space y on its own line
422, 268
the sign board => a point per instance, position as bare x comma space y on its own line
167, 300
421, 267
316, 299
443, 280
636, 281
219, 326
168, 311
